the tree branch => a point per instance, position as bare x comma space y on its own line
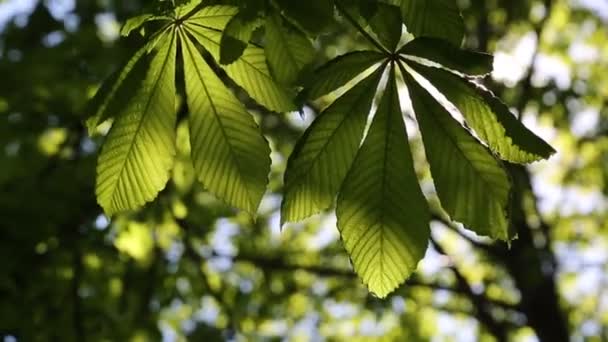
539, 28
490, 249
480, 302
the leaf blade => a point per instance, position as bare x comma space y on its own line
386, 24
339, 71
450, 56
380, 199
105, 103
214, 17
236, 36
471, 184
312, 15
250, 71
489, 117
138, 153
230, 155
288, 51
324, 154
421, 18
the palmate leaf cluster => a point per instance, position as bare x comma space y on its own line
356, 150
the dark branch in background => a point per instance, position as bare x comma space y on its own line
526, 85
483, 26
151, 277
533, 268
479, 301
491, 249
525, 261
75, 236
195, 257
278, 264
77, 309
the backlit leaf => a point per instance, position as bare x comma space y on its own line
449, 56
312, 15
323, 156
230, 155
117, 90
250, 71
213, 17
120, 87
386, 23
489, 117
134, 23
472, 186
433, 18
236, 35
383, 216
339, 71
138, 153
288, 51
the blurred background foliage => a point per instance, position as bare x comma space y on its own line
188, 268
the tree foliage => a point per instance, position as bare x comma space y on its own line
381, 211
267, 170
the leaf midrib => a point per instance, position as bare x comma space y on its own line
283, 37
331, 137
143, 118
477, 95
387, 146
124, 74
487, 184
216, 116
242, 59
202, 17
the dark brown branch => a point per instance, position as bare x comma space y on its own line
77, 310
526, 85
480, 302
490, 249
193, 255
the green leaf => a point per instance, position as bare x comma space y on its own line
449, 56
138, 153
312, 15
116, 91
488, 117
133, 23
184, 9
364, 9
160, 12
386, 24
249, 71
433, 18
230, 155
120, 87
471, 184
253, 7
383, 216
213, 17
288, 51
324, 154
339, 71
236, 36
